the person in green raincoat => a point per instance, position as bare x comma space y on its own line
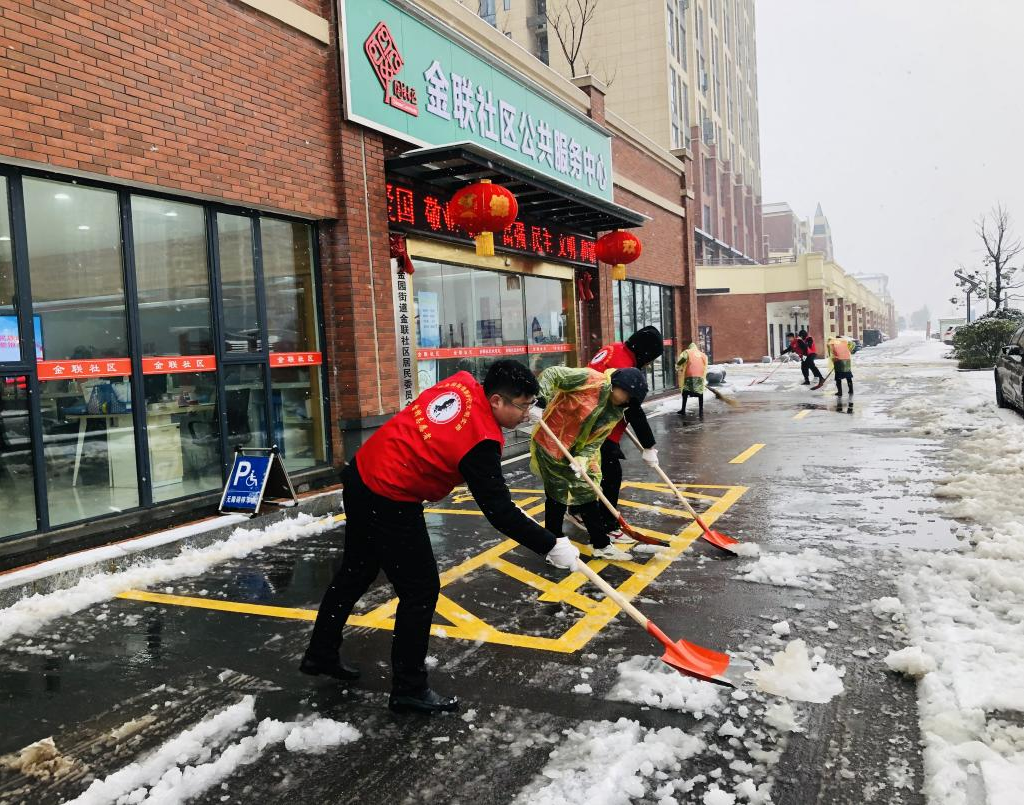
581, 407
692, 368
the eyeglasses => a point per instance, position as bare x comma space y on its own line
524, 407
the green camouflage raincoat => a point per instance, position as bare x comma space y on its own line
580, 413
692, 364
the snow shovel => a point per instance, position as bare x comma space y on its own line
626, 528
773, 371
823, 380
716, 538
688, 658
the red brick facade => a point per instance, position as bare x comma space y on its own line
740, 322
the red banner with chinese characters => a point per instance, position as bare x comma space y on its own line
489, 352
178, 364
79, 369
279, 359
422, 210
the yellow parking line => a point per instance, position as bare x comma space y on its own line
463, 624
802, 414
746, 454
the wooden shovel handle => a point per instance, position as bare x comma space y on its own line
612, 593
672, 486
586, 477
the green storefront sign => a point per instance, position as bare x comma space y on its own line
408, 78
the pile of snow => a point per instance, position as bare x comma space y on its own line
793, 674
200, 757
911, 661
963, 611
29, 614
791, 570
601, 763
648, 681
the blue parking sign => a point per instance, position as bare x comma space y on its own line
248, 478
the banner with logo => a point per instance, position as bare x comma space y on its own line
405, 76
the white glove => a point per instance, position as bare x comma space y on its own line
577, 467
650, 455
564, 554
536, 414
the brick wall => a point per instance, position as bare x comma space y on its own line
199, 96
739, 325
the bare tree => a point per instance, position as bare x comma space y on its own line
1001, 246
569, 23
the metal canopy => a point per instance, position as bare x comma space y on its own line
541, 198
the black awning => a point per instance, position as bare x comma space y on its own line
451, 167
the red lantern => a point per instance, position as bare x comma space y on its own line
483, 209
618, 248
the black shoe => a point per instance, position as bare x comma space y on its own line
806, 383
426, 702
315, 666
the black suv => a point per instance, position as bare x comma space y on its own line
1010, 373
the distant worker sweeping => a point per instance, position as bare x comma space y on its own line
842, 363
692, 368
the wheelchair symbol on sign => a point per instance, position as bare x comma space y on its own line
252, 481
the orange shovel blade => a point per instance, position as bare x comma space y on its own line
691, 659
632, 532
720, 540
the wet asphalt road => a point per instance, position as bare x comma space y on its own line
819, 482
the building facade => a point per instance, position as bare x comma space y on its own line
746, 311
207, 218
786, 235
682, 72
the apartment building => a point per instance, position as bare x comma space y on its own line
684, 72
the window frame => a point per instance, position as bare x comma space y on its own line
27, 367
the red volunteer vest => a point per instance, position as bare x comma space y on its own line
415, 456
797, 345
614, 356
695, 364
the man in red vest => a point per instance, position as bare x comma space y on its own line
809, 353
639, 350
449, 434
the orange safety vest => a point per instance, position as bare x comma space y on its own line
696, 363
415, 456
840, 350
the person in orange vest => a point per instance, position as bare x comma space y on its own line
692, 366
808, 354
842, 363
641, 349
450, 434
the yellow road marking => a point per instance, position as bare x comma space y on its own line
746, 454
802, 414
463, 624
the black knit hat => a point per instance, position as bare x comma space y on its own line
631, 381
646, 344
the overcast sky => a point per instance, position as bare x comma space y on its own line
905, 119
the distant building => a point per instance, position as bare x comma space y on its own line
683, 73
786, 234
821, 235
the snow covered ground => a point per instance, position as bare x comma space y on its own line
964, 610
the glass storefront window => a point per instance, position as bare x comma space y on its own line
298, 416
641, 304
550, 324
9, 339
183, 429
246, 405
172, 276
288, 278
16, 474
74, 252
238, 284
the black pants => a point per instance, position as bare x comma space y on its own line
839, 385
807, 365
388, 535
700, 402
589, 513
611, 479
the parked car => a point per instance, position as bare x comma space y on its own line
948, 333
1009, 373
